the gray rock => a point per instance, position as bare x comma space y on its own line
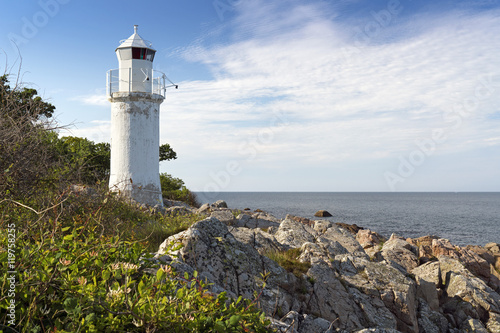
461, 283
400, 252
493, 324
249, 221
204, 209
430, 321
430, 272
219, 204
473, 325
258, 239
224, 215
312, 324
294, 234
209, 248
177, 210
428, 292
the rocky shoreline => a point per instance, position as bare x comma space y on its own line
341, 278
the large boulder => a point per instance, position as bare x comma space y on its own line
230, 265
398, 251
257, 220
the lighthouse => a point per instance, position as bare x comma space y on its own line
135, 91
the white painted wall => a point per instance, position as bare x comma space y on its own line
138, 70
135, 146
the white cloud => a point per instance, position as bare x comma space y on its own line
98, 99
294, 88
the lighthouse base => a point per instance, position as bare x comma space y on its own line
135, 140
149, 195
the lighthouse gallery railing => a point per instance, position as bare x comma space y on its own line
157, 82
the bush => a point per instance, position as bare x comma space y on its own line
173, 189
84, 268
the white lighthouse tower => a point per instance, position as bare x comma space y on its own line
135, 92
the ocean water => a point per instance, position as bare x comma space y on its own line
463, 218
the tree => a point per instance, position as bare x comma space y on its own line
26, 161
23, 102
167, 153
90, 162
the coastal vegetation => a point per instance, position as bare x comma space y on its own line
77, 258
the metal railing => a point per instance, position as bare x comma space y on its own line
136, 80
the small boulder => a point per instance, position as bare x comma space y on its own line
219, 204
204, 209
352, 228
322, 213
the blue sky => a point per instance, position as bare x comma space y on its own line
348, 95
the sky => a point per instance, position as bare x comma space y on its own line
285, 95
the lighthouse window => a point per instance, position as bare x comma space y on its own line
150, 55
142, 53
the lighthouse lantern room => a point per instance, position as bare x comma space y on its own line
135, 91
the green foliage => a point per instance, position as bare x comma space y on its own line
87, 162
173, 189
289, 261
167, 153
22, 101
83, 266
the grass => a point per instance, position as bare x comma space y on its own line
289, 260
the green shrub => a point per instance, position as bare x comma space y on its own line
173, 189
78, 273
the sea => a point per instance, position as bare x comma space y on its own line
465, 218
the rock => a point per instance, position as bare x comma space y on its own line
302, 220
427, 291
493, 248
312, 324
368, 238
353, 228
322, 213
424, 245
493, 324
204, 209
281, 327
430, 272
230, 265
473, 325
345, 239
177, 210
430, 321
460, 284
258, 239
370, 241
294, 234
219, 204
400, 252
470, 258
257, 220
225, 216
397, 291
